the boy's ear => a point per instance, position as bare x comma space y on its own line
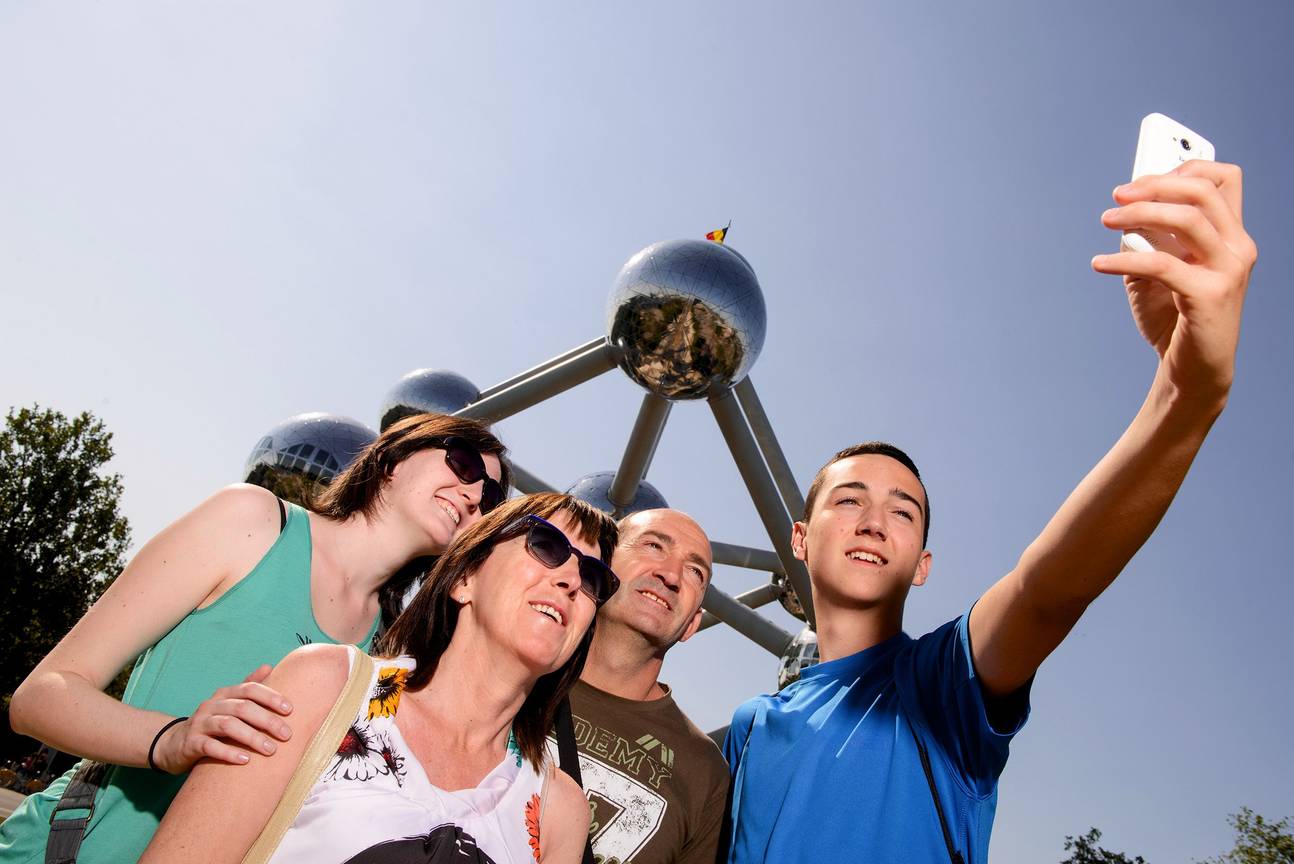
923, 568
799, 535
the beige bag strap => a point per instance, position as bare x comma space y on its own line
323, 746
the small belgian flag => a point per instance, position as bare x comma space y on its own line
718, 234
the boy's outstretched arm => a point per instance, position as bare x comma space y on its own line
1189, 312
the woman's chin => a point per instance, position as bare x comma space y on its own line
438, 540
543, 659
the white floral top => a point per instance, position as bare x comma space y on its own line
374, 802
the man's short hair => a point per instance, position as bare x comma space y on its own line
879, 448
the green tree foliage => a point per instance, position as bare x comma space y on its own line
1258, 841
62, 537
1085, 851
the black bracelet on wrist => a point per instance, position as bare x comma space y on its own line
158, 737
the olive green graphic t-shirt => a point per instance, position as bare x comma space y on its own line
656, 784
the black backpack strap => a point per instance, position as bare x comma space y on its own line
568, 757
66, 834
953, 855
283, 514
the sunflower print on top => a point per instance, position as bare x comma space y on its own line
375, 803
364, 752
385, 697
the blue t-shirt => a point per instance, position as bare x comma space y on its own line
828, 770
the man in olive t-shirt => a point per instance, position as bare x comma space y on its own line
657, 785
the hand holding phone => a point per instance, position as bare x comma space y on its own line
1163, 145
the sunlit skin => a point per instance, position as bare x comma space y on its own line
501, 645
192, 564
1188, 310
499, 612
862, 546
664, 563
427, 489
456, 727
414, 512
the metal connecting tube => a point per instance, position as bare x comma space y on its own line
745, 621
639, 451
768, 446
763, 492
547, 381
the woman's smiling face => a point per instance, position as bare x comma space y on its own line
540, 612
428, 491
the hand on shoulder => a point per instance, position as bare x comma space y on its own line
312, 673
246, 718
222, 807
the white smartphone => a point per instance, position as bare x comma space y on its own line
1162, 146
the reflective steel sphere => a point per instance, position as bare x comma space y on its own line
689, 318
789, 599
425, 390
799, 655
593, 489
301, 455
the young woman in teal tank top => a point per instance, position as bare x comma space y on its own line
233, 587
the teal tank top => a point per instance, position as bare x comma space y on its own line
259, 620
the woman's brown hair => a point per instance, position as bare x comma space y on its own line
358, 489
426, 626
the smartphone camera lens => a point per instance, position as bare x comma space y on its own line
1186, 143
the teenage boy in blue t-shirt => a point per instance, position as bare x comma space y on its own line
889, 750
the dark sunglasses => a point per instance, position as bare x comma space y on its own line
548, 545
465, 461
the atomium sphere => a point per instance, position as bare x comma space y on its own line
425, 390
301, 455
688, 317
789, 599
798, 656
594, 488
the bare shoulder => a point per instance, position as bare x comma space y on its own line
310, 679
564, 792
221, 524
244, 505
222, 807
564, 824
235, 522
566, 810
312, 672
233, 529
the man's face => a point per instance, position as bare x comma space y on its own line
664, 563
862, 543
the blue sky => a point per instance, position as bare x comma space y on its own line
216, 217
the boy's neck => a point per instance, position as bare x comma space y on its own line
847, 630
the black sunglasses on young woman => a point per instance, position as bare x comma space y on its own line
549, 546
465, 461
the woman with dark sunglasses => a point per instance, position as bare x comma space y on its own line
233, 586
445, 760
